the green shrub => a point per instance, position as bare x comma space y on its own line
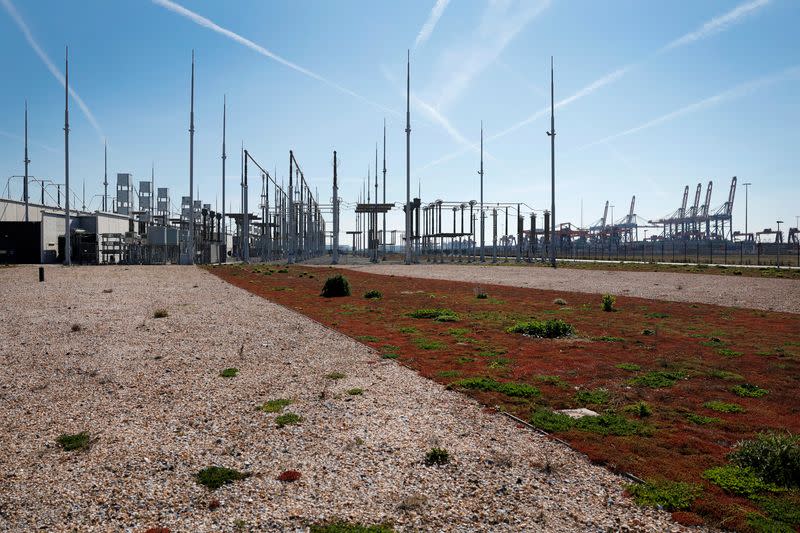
520, 390
737, 480
437, 456
784, 509
389, 355
725, 374
725, 352
275, 406
611, 424
592, 397
448, 373
229, 373
424, 343
214, 477
283, 271
551, 421
160, 313
550, 329
762, 524
658, 379
701, 420
355, 392
552, 380
347, 527
775, 457
723, 407
336, 286
335, 375
407, 329
288, 419
608, 338
748, 390
77, 441
631, 367
481, 295
373, 295
438, 314
668, 495
608, 302
640, 409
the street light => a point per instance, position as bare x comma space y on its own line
746, 190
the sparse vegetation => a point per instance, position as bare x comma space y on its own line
640, 409
658, 379
748, 390
737, 480
630, 367
334, 376
724, 407
550, 329
355, 392
288, 419
701, 420
335, 286
592, 397
275, 406
229, 373
657, 315
373, 295
424, 343
437, 314
75, 328
548, 420
727, 352
612, 424
437, 456
667, 495
214, 477
521, 390
347, 527
78, 441
608, 302
160, 313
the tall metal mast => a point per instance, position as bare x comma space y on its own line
67, 239
374, 215
483, 257
335, 251
27, 161
105, 176
152, 192
190, 241
224, 157
383, 237
408, 258
552, 134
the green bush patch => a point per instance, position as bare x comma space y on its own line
520, 390
748, 390
630, 367
77, 441
763, 524
725, 352
214, 477
668, 495
336, 286
347, 527
785, 509
229, 373
275, 406
724, 407
437, 314
775, 457
657, 315
437, 456
607, 338
612, 424
701, 420
355, 392
592, 397
551, 421
725, 374
424, 343
737, 480
373, 295
549, 329
335, 375
288, 419
640, 409
407, 329
389, 355
658, 379
608, 302
448, 373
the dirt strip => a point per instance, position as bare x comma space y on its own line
732, 291
149, 392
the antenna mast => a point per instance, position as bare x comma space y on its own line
190, 241
552, 134
224, 157
67, 239
27, 161
408, 258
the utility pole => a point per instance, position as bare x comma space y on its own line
290, 255
552, 135
67, 236
224, 157
190, 241
245, 216
374, 216
105, 175
483, 257
335, 251
384, 189
746, 190
27, 161
408, 258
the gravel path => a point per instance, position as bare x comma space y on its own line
733, 291
149, 391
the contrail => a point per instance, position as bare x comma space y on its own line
718, 24
49, 64
20, 139
430, 24
206, 23
735, 92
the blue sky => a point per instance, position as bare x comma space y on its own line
651, 96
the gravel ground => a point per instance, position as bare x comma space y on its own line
753, 293
149, 392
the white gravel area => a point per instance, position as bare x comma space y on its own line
768, 294
149, 392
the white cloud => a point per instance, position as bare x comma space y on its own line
20, 22
430, 24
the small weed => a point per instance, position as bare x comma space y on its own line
630, 367
657, 315
336, 286
607, 338
229, 373
713, 342
551, 421
76, 327
373, 295
492, 352
549, 329
724, 374
368, 338
701, 420
748, 390
437, 314
648, 332
667, 495
458, 332
500, 362
737, 480
723, 407
407, 329
658, 379
77, 441
608, 303
283, 271
214, 477
389, 355
762, 524
480, 294
592, 397
428, 344
726, 352
275, 406
611, 424
437, 456
640, 409
448, 373
559, 301
288, 419
160, 313
552, 380
347, 527
335, 375
355, 392
521, 390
